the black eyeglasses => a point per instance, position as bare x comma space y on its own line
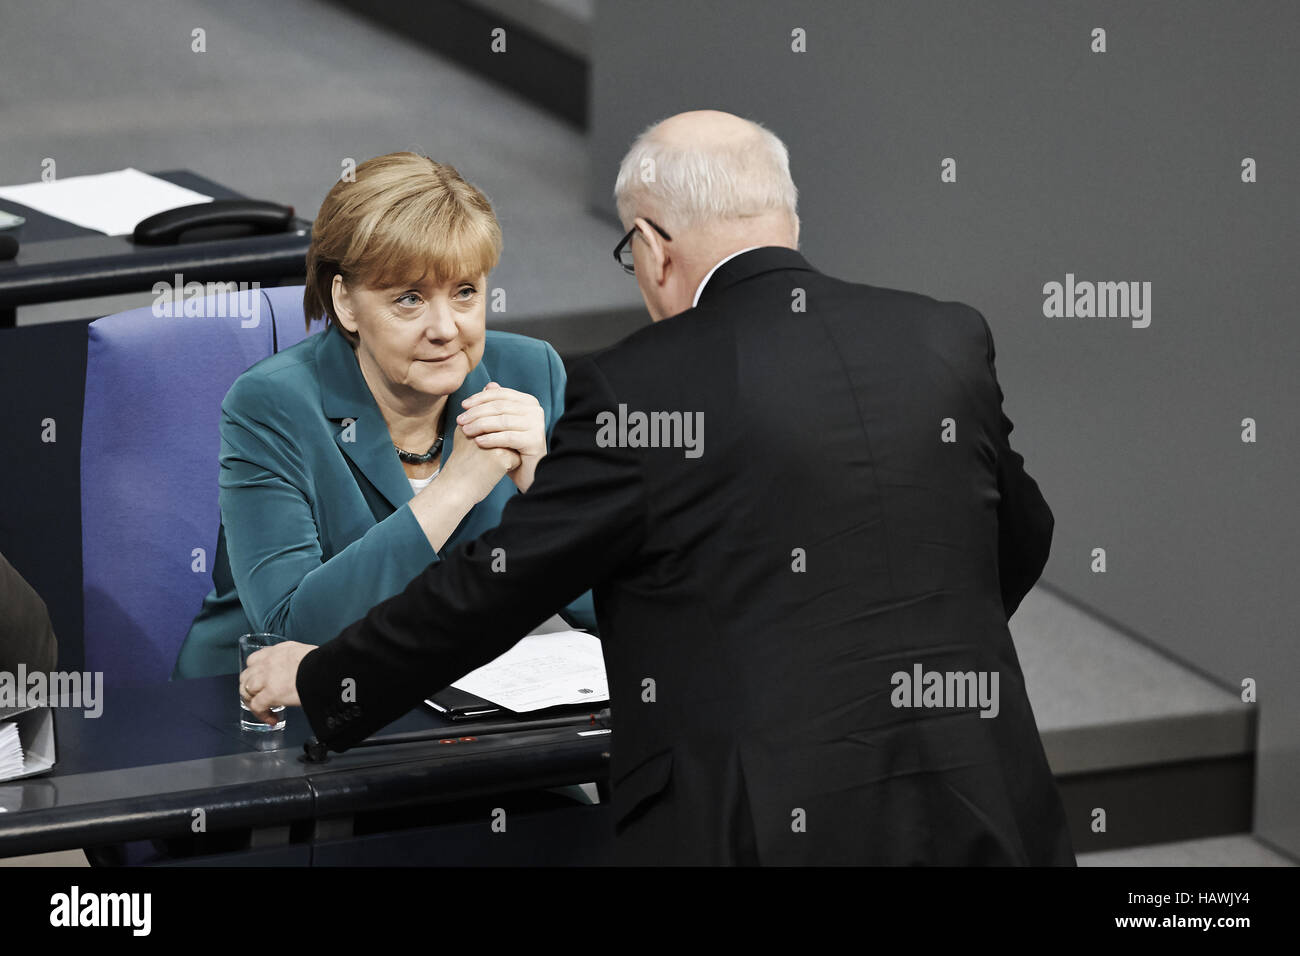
623, 251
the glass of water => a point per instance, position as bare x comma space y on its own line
248, 643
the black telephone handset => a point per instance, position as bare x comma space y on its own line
219, 219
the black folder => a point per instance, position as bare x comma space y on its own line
460, 705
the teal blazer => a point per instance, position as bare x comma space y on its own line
314, 529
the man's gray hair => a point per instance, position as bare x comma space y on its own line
694, 186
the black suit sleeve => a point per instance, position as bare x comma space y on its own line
1025, 522
583, 517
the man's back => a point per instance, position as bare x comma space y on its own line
839, 526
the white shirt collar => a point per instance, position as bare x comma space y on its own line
709, 275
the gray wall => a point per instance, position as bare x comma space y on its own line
1116, 166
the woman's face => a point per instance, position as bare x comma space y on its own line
418, 337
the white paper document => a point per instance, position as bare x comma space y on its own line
542, 670
26, 741
11, 751
111, 203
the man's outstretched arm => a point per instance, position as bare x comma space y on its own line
584, 515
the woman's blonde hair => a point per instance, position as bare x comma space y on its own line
402, 217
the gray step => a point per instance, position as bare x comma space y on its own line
565, 24
1213, 851
1166, 753
545, 58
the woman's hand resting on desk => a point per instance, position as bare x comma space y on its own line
271, 679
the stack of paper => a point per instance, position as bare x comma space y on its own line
542, 670
26, 741
11, 751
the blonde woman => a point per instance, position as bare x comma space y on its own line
351, 460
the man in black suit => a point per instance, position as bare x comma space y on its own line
803, 564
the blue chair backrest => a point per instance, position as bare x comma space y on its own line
285, 302
150, 443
